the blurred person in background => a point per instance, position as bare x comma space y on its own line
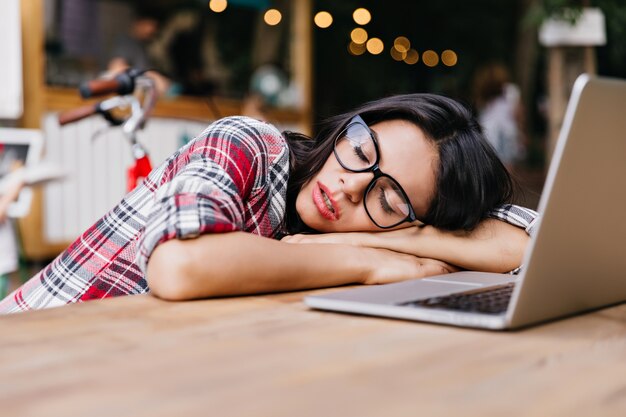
132, 49
500, 114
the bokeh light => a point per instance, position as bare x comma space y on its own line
323, 19
356, 48
411, 57
375, 46
272, 17
359, 36
218, 6
362, 16
430, 58
449, 58
397, 55
402, 44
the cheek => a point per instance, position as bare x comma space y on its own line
304, 201
300, 200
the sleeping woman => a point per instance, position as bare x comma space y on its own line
400, 188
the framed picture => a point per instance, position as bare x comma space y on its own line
20, 150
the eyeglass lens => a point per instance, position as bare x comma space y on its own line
385, 203
356, 148
384, 200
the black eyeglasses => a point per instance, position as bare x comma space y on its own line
386, 203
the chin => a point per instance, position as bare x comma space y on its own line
318, 226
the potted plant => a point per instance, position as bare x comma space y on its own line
569, 23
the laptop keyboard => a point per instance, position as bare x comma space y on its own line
493, 300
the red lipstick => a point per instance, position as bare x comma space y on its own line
324, 202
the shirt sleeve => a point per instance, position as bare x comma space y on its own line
517, 216
206, 184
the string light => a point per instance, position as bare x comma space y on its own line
430, 58
218, 6
402, 44
356, 49
397, 55
375, 46
449, 58
362, 16
411, 57
272, 17
359, 36
323, 19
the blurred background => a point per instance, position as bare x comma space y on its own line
294, 63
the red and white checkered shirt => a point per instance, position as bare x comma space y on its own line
231, 177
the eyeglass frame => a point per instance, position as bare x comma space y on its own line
375, 169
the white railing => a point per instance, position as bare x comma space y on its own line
96, 168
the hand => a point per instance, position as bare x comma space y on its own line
383, 265
388, 266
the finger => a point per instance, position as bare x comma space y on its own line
292, 239
431, 269
296, 239
447, 266
452, 268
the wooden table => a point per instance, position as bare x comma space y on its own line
272, 356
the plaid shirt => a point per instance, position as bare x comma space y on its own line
231, 177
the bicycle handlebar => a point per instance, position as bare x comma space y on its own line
121, 84
124, 85
79, 113
97, 88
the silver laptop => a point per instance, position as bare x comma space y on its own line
575, 262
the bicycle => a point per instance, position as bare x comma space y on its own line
133, 90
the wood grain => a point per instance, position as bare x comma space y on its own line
272, 356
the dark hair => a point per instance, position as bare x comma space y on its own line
471, 179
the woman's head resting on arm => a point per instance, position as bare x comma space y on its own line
425, 150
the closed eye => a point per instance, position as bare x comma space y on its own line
358, 151
382, 198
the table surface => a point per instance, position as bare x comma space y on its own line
270, 355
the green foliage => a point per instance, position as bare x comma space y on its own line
613, 56
566, 10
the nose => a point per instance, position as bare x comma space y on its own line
354, 184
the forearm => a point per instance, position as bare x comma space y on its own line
494, 246
241, 263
